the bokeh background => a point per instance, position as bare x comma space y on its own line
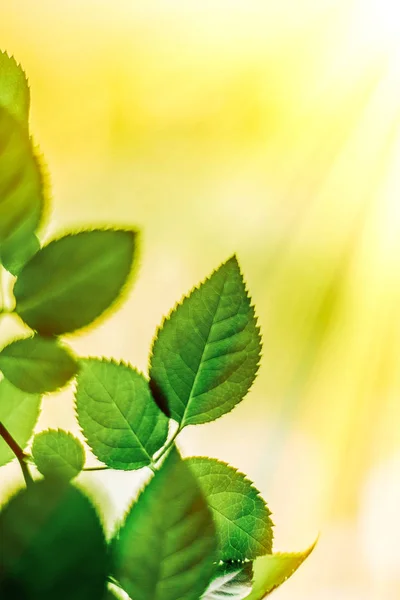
269, 129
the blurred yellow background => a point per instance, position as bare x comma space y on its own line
269, 129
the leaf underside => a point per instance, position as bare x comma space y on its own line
58, 454
166, 547
231, 582
73, 280
19, 412
119, 418
206, 353
273, 570
241, 516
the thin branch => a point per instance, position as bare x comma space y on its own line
18, 452
96, 469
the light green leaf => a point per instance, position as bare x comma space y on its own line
115, 593
21, 186
205, 356
37, 365
55, 545
232, 581
20, 243
241, 516
119, 418
73, 280
273, 570
166, 547
18, 413
58, 454
14, 89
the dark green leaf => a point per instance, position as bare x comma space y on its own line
241, 516
205, 356
58, 454
19, 249
21, 186
14, 89
119, 418
18, 413
73, 280
54, 546
166, 547
37, 365
273, 570
232, 581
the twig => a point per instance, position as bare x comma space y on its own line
96, 469
19, 453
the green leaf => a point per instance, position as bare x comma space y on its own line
58, 454
21, 186
205, 356
14, 89
37, 365
166, 547
232, 581
70, 282
18, 413
21, 243
19, 249
273, 570
119, 418
241, 516
113, 592
55, 546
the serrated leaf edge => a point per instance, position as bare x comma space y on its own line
186, 296
253, 487
237, 472
103, 359
68, 434
301, 554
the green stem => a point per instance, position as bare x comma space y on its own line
19, 453
165, 449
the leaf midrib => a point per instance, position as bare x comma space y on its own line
35, 359
113, 402
193, 387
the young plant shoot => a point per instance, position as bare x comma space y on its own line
199, 529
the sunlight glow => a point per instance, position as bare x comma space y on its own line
270, 129
381, 18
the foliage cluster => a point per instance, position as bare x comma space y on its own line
199, 524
